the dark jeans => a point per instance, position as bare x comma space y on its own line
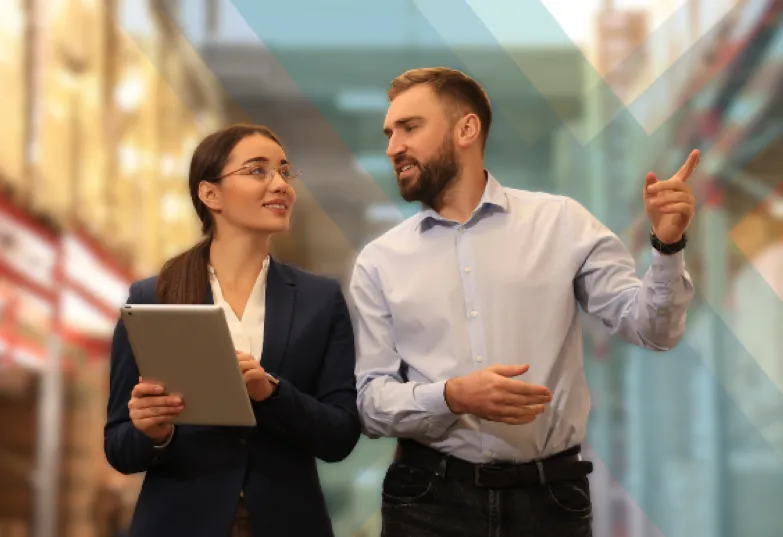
418, 503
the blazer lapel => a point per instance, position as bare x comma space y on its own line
280, 301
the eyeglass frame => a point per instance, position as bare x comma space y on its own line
268, 176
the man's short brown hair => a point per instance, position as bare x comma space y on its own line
456, 86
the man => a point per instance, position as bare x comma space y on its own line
468, 342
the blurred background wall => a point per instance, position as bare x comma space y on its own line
103, 102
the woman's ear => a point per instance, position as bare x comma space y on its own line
209, 194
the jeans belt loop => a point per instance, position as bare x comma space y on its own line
440, 471
541, 475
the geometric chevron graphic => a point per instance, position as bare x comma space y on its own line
689, 442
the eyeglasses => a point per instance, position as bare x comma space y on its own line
264, 171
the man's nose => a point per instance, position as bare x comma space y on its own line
394, 148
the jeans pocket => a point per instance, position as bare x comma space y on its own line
572, 496
405, 484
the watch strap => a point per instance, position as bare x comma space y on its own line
671, 248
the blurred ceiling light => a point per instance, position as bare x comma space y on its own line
129, 159
130, 91
171, 207
56, 109
69, 79
207, 121
56, 9
368, 100
189, 144
168, 165
775, 207
12, 20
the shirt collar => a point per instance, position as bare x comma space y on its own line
493, 197
262, 274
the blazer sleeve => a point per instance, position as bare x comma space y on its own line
325, 424
127, 449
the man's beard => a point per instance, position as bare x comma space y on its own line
433, 179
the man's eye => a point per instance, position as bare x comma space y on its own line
409, 128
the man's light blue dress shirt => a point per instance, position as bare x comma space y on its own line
435, 299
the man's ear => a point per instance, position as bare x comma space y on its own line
469, 130
209, 194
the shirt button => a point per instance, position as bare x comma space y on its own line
474, 313
467, 269
490, 453
479, 358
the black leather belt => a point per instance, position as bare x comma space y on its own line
562, 466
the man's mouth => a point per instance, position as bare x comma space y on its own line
406, 168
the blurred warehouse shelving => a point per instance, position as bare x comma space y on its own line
729, 108
103, 105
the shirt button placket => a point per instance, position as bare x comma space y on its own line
466, 259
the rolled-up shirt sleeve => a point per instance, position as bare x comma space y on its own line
650, 311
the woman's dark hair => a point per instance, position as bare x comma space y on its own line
184, 278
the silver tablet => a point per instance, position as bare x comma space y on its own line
188, 348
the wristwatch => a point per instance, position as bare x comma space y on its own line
664, 248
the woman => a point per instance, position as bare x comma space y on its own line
221, 481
